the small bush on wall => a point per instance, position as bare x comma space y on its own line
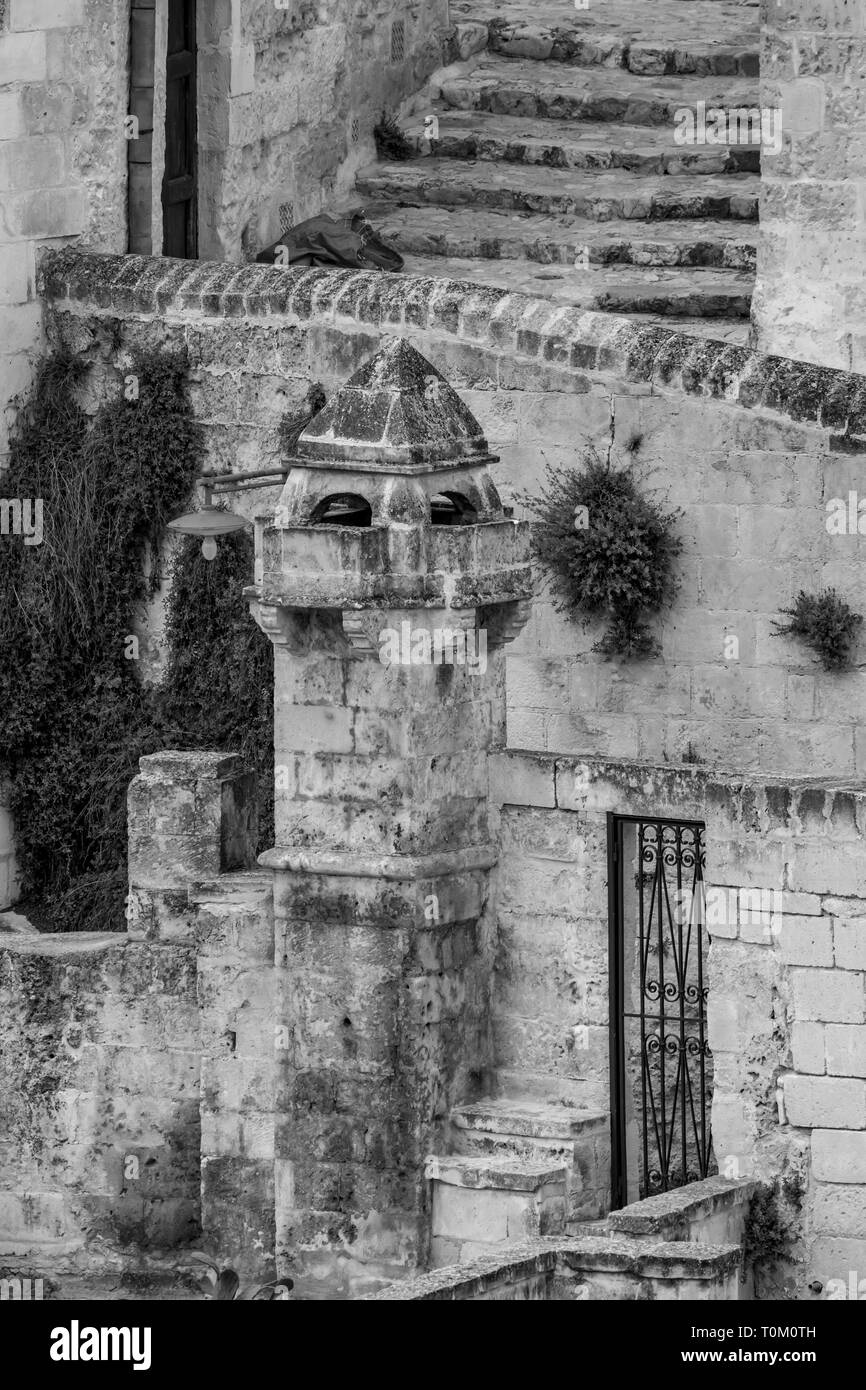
610, 552
825, 623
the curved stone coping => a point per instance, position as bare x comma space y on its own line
531, 1259
670, 1211
69, 943
405, 867
593, 344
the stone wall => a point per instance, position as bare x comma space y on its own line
750, 448
610, 1268
295, 91
99, 1099
63, 91
137, 1091
787, 989
810, 301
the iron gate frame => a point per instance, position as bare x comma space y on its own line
619, 1018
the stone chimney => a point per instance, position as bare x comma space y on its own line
389, 580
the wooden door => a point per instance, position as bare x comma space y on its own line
179, 190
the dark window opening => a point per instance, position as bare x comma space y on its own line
345, 509
450, 509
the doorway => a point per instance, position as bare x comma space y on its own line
660, 1061
179, 184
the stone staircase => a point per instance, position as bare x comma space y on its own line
556, 171
518, 1169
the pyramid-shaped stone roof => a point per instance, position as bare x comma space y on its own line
397, 414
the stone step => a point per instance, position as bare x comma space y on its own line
712, 36
600, 196
689, 293
488, 234
481, 1202
525, 1131
530, 1119
574, 144
523, 87
657, 58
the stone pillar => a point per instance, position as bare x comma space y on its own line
234, 981
191, 817
383, 950
194, 903
810, 298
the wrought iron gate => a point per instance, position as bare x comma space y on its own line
661, 1065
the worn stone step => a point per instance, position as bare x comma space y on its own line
662, 57
690, 293
713, 36
574, 144
600, 196
488, 234
529, 1119
501, 1173
481, 1201
522, 87
531, 1131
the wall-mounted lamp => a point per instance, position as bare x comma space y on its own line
207, 524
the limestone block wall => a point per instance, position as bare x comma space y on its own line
751, 448
137, 1083
63, 93
99, 1101
810, 301
787, 988
296, 90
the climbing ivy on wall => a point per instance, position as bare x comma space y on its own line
75, 716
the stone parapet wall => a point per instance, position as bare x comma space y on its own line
137, 1084
607, 1268
751, 448
100, 1101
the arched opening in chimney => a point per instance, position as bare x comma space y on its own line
342, 509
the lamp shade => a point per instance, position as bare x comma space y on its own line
210, 521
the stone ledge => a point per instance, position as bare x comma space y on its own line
72, 943
664, 1258
402, 868
526, 1119
511, 1174
675, 1210
541, 1258
803, 805
602, 345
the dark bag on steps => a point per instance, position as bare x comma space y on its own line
346, 241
